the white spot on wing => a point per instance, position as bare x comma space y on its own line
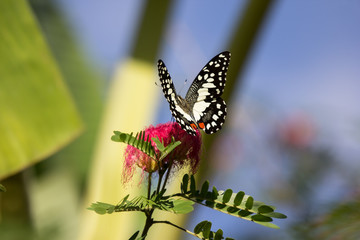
209, 85
199, 108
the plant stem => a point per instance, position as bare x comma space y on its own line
149, 186
178, 227
149, 222
159, 182
148, 212
167, 174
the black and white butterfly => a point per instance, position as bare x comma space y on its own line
202, 106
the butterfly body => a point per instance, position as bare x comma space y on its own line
202, 106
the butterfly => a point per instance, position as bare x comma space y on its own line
202, 108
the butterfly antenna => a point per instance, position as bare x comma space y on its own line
185, 82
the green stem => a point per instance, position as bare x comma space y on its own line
178, 227
167, 174
159, 182
149, 186
149, 222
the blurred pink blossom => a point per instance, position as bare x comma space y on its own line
297, 131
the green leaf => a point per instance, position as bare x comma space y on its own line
168, 149
249, 202
215, 192
238, 198
218, 235
38, 115
204, 188
227, 195
182, 206
185, 183
244, 213
238, 205
261, 218
138, 141
199, 227
275, 215
159, 144
2, 188
267, 224
133, 237
206, 229
265, 209
192, 185
101, 208
203, 231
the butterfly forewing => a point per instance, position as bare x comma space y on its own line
181, 117
210, 82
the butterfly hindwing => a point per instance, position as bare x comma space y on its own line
214, 116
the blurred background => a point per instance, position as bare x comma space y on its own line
73, 71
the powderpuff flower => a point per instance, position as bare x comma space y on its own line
186, 154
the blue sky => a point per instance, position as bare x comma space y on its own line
306, 60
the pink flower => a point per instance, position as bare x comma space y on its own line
187, 153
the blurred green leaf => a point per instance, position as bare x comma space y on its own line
2, 188
341, 222
84, 81
38, 116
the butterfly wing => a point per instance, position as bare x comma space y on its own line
181, 117
203, 96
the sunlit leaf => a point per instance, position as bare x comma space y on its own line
38, 115
182, 206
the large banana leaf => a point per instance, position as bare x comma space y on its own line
38, 116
